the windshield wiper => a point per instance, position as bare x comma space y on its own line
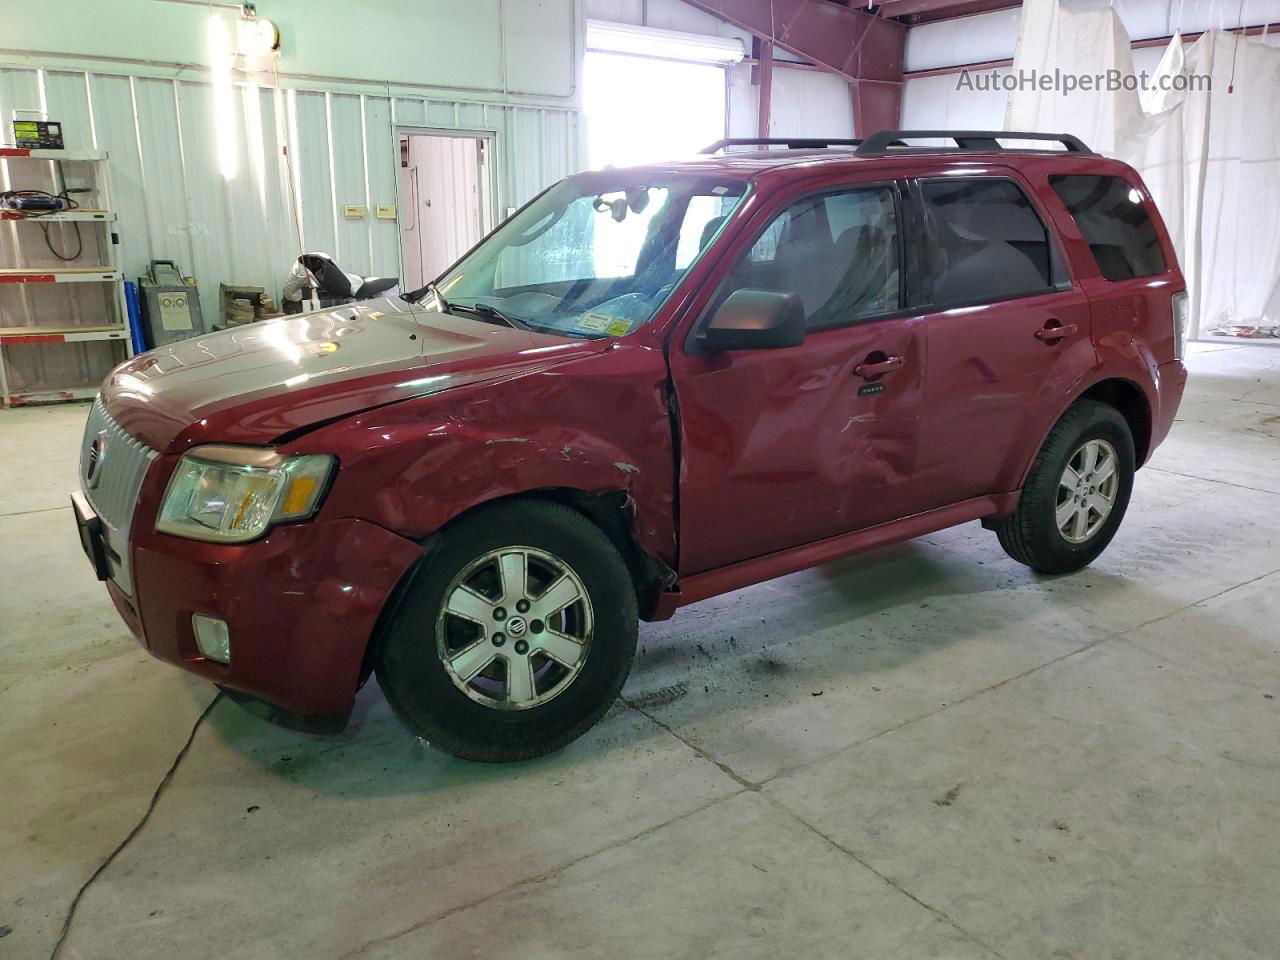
488, 310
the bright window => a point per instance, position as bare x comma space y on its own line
645, 110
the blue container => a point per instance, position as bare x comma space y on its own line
135, 316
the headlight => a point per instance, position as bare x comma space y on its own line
231, 494
1181, 320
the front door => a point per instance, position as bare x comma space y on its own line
787, 446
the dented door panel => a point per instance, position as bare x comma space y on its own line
782, 447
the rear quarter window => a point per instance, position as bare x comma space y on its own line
1114, 222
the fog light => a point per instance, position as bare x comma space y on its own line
213, 637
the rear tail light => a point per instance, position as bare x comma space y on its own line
1181, 321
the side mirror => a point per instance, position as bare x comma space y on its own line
756, 320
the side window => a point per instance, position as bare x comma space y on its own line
986, 241
702, 218
838, 252
1111, 216
766, 248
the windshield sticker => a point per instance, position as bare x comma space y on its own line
618, 328
595, 321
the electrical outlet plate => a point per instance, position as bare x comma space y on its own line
353, 211
386, 211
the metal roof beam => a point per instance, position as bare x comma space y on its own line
844, 40
928, 11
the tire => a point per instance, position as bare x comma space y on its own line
1033, 534
496, 716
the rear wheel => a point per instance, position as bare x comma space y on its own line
1076, 493
515, 636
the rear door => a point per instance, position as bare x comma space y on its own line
1113, 217
786, 446
1008, 333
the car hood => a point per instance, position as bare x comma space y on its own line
262, 381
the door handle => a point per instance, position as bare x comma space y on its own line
878, 368
1054, 331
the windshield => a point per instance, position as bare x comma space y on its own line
594, 256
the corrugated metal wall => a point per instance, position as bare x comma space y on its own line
173, 203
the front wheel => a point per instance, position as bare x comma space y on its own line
1076, 493
515, 635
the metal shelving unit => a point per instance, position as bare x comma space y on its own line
63, 324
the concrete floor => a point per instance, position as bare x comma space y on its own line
928, 752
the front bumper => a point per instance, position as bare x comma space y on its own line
301, 603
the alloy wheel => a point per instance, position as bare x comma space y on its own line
514, 628
1087, 491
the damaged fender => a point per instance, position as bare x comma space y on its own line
596, 425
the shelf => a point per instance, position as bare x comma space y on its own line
65, 216
38, 153
53, 348
62, 275
11, 336
55, 395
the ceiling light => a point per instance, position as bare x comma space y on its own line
608, 37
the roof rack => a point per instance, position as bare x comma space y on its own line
791, 143
965, 139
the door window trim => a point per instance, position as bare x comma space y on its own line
692, 342
1060, 279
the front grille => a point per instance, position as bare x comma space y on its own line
119, 462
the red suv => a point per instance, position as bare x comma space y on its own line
647, 387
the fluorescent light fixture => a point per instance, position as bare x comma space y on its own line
607, 37
221, 56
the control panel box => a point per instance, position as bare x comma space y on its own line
38, 134
170, 304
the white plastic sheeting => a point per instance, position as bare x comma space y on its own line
1212, 161
940, 103
1089, 40
173, 202
1211, 157
993, 36
804, 103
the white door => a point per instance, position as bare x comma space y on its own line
444, 202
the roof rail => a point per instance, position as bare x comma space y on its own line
966, 139
791, 143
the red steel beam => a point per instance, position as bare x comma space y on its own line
866, 50
877, 105
928, 11
841, 39
763, 74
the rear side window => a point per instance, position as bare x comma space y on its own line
986, 241
1114, 222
